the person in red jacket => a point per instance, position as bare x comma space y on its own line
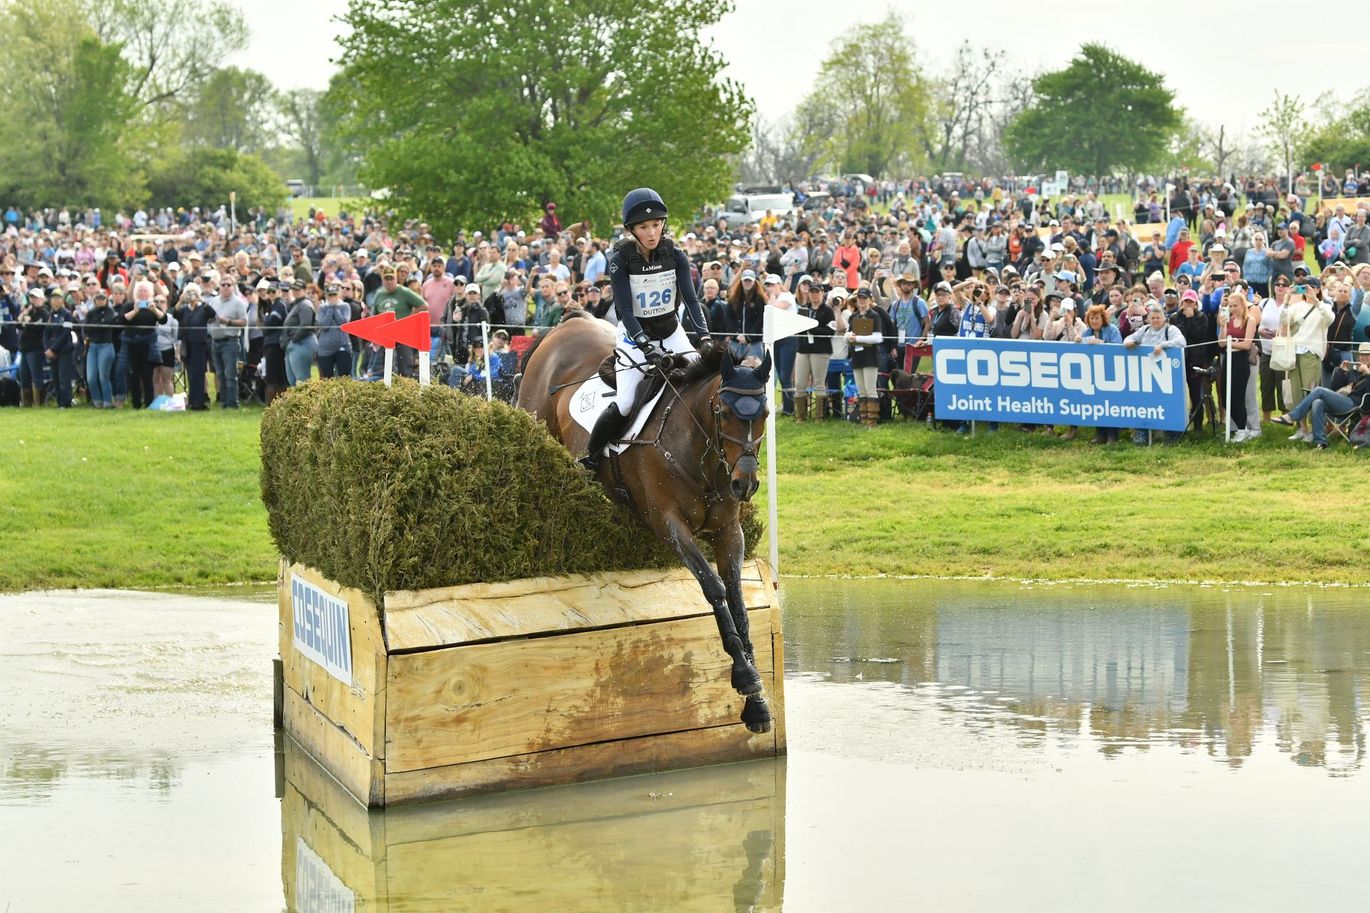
847, 258
1180, 252
551, 225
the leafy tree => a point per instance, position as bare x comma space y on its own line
872, 79
302, 124
1340, 141
1102, 113
231, 110
1187, 150
66, 118
494, 106
204, 177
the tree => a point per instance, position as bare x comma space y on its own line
231, 110
961, 107
1343, 141
302, 124
204, 177
1281, 126
495, 106
872, 79
66, 141
788, 150
1186, 152
1101, 114
172, 45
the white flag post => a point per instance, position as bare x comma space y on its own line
389, 363
779, 323
485, 339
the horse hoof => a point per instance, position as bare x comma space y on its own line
756, 714
746, 680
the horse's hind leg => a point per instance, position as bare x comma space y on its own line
729, 550
745, 678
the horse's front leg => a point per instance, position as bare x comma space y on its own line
729, 551
745, 678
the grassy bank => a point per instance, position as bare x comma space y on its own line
137, 500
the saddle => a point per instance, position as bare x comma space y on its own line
650, 386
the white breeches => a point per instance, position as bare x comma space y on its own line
627, 352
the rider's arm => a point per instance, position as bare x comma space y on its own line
693, 314
623, 295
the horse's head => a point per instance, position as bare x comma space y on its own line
740, 412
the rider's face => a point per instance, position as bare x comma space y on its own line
648, 234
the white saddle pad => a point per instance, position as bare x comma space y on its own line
588, 401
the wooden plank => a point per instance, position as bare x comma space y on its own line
419, 619
648, 754
358, 707
486, 701
776, 695
335, 750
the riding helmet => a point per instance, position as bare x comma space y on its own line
641, 205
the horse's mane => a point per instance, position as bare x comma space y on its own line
708, 365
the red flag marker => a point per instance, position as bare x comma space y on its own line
412, 331
368, 328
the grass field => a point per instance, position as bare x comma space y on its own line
143, 500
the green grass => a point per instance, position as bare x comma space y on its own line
300, 206
131, 499
146, 500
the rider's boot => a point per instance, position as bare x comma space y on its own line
608, 426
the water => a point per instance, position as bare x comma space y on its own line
961, 746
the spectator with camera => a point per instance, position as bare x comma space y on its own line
1348, 391
1307, 317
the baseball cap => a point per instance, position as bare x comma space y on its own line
1065, 275
1189, 295
1219, 248
265, 284
863, 292
35, 293
1301, 268
332, 288
471, 287
942, 287
749, 274
387, 271
837, 294
173, 267
1068, 304
772, 279
1053, 293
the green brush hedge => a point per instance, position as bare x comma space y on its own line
414, 487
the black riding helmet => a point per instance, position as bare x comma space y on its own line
642, 205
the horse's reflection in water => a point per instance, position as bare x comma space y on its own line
699, 463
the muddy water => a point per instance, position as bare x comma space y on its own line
964, 746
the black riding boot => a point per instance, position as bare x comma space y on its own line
608, 426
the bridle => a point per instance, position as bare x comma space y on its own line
748, 444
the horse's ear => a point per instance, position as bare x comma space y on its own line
763, 370
725, 366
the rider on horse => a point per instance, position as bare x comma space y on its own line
651, 279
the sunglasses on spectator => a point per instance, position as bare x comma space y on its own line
1281, 284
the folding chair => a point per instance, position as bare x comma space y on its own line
1344, 423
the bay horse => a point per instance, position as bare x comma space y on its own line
696, 466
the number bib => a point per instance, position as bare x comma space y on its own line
654, 294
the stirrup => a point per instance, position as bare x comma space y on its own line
590, 462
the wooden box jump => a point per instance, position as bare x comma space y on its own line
493, 686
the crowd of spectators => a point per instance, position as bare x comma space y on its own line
125, 310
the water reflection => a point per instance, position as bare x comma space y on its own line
1212, 670
706, 840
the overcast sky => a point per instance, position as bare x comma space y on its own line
1225, 69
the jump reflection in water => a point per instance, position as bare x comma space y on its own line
662, 842
1216, 671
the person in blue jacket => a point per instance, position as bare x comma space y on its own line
651, 281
